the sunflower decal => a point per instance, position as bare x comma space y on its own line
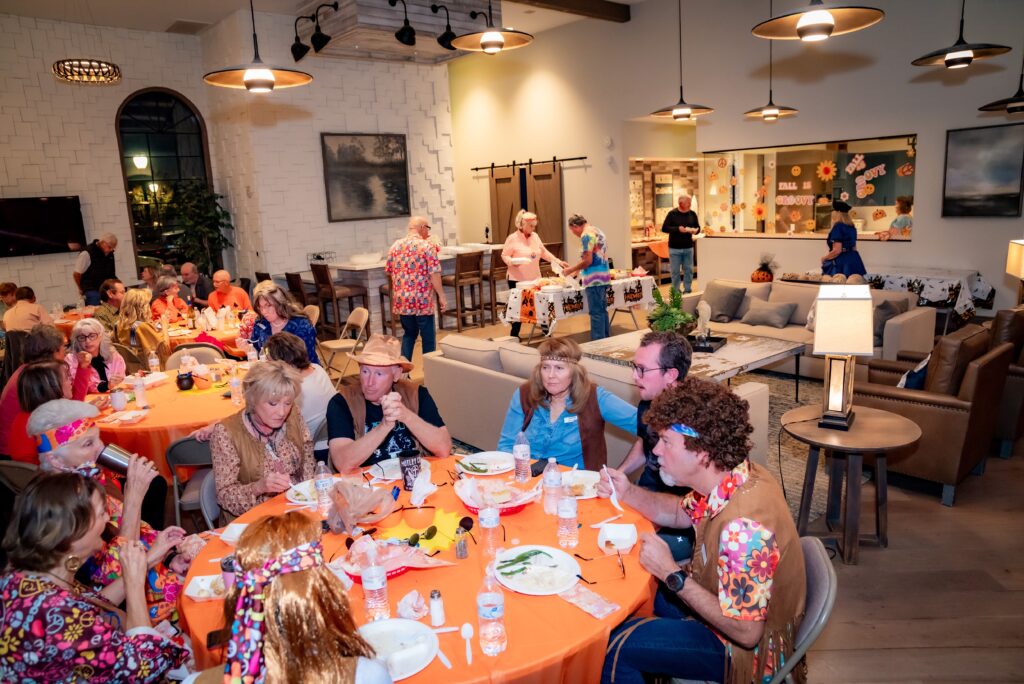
826, 170
736, 209
760, 211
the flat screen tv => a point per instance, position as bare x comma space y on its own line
40, 225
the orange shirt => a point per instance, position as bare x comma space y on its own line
236, 298
174, 310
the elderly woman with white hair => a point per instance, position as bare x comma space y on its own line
265, 448
68, 440
279, 313
94, 363
522, 254
166, 301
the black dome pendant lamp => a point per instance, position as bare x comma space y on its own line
961, 53
771, 111
682, 110
1010, 105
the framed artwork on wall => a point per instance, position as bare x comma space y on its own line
984, 169
366, 175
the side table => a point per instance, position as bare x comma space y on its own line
874, 431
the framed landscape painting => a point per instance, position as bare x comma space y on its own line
984, 168
366, 175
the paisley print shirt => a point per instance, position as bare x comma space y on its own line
411, 261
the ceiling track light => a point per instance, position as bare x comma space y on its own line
407, 34
1010, 105
446, 38
256, 77
491, 40
818, 22
961, 53
771, 111
682, 110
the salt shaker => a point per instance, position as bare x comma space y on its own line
436, 608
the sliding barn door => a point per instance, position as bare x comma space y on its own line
544, 195
505, 202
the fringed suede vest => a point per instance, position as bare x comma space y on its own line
353, 396
590, 423
759, 499
251, 452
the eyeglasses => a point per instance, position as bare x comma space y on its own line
684, 430
90, 337
640, 370
618, 556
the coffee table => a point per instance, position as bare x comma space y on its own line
740, 354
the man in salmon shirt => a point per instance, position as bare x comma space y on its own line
225, 294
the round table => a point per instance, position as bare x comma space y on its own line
873, 431
549, 639
66, 323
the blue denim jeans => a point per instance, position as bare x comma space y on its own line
92, 297
672, 645
417, 325
681, 258
597, 302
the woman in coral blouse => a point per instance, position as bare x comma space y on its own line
167, 302
522, 254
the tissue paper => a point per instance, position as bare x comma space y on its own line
412, 606
422, 487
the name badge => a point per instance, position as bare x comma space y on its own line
570, 419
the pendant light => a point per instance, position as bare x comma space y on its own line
84, 71
682, 110
1010, 105
771, 111
257, 77
491, 40
818, 22
961, 53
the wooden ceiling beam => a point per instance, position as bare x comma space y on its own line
595, 9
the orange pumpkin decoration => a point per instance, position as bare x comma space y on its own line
760, 276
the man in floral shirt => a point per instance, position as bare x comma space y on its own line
732, 613
415, 276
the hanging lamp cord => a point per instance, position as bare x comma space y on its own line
255, 41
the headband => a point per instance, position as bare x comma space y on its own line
684, 430
555, 357
245, 650
62, 434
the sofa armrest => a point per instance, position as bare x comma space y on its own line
910, 396
887, 372
691, 300
910, 331
911, 356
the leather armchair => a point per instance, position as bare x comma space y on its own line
1008, 326
956, 410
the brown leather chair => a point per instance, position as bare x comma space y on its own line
469, 270
304, 294
329, 292
956, 410
1008, 326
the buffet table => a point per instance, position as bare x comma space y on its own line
545, 307
955, 290
549, 639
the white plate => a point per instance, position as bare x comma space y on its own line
519, 261
388, 469
552, 288
206, 588
589, 478
546, 576
305, 492
404, 646
496, 462
232, 532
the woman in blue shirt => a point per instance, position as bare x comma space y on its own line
562, 412
842, 256
279, 313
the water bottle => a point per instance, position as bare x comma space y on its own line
552, 486
375, 588
154, 362
521, 455
251, 355
140, 393
324, 482
236, 390
568, 527
490, 532
490, 611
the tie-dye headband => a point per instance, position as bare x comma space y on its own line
61, 435
245, 663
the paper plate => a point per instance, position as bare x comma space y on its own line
587, 478
404, 646
496, 463
552, 288
206, 588
388, 469
545, 575
305, 492
232, 532
519, 261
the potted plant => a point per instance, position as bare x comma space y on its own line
669, 316
203, 222
765, 271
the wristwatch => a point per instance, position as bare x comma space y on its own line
676, 581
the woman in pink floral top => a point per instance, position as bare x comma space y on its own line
53, 629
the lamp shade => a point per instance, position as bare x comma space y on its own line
844, 320
1015, 259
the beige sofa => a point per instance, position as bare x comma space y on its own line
473, 380
913, 330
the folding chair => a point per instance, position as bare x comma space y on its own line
352, 336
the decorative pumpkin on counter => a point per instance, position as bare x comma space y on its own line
764, 273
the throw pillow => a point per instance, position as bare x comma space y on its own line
776, 315
883, 312
723, 300
914, 379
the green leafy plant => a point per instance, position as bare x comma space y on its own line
669, 316
203, 223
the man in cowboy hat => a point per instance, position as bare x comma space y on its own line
382, 415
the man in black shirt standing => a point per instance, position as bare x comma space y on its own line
681, 225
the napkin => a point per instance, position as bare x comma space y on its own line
211, 318
617, 537
412, 606
422, 487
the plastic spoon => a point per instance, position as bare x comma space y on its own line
467, 634
615, 498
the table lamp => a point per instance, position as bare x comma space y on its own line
1015, 265
843, 330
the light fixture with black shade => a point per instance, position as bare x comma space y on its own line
299, 49
771, 111
961, 53
446, 38
319, 39
256, 77
682, 110
1010, 105
818, 22
491, 40
407, 34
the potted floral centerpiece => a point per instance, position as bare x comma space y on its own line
669, 316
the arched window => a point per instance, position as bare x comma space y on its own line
163, 145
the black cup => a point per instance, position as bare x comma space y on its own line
409, 461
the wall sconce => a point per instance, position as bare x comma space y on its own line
842, 331
318, 40
446, 38
141, 161
407, 34
299, 49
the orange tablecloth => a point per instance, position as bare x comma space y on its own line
549, 639
66, 322
660, 248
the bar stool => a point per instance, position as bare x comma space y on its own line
330, 292
261, 276
556, 248
388, 319
469, 269
304, 293
497, 271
